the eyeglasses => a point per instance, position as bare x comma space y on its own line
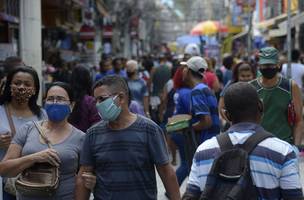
100, 99
56, 99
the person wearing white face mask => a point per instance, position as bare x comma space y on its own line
123, 150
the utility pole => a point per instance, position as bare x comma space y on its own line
288, 40
249, 35
301, 28
30, 35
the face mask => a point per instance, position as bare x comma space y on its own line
269, 73
57, 112
108, 110
22, 95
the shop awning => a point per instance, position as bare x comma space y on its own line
282, 27
271, 22
241, 34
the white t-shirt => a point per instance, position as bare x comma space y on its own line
297, 73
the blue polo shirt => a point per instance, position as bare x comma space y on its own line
182, 101
203, 102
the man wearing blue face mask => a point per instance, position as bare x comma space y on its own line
123, 150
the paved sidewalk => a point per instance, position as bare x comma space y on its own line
161, 188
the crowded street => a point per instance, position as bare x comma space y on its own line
151, 99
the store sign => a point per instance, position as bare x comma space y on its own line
87, 32
107, 31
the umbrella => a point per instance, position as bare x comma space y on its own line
208, 28
194, 39
188, 39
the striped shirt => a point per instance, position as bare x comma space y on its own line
124, 160
273, 164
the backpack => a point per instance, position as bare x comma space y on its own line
229, 177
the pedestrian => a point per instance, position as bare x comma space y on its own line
297, 69
137, 86
228, 63
281, 99
243, 72
204, 110
210, 77
272, 163
166, 110
105, 65
117, 68
159, 77
134, 106
182, 102
123, 150
84, 113
146, 73
27, 148
18, 105
9, 64
62, 73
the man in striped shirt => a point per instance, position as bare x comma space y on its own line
273, 163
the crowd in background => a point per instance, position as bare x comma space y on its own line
159, 87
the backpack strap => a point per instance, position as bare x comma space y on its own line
250, 144
224, 141
285, 84
10, 120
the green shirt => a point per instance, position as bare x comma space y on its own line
276, 100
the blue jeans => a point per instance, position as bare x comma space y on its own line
183, 170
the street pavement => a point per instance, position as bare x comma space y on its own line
161, 188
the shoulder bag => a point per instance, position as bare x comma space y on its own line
40, 180
9, 183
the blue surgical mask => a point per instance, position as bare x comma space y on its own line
108, 110
57, 112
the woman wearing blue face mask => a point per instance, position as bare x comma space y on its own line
27, 147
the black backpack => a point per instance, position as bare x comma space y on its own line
229, 177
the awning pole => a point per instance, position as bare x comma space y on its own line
288, 41
249, 34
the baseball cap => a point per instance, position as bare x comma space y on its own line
268, 55
196, 64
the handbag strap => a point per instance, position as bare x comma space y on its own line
43, 136
10, 120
